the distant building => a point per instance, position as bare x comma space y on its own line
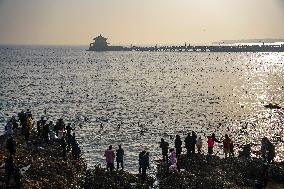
99, 44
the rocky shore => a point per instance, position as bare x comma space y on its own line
212, 172
42, 166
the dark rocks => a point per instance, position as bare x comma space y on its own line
99, 178
208, 172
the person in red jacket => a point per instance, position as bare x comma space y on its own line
210, 141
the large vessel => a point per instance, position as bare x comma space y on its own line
100, 44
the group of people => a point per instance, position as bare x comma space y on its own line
59, 134
110, 157
170, 156
191, 141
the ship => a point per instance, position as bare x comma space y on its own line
100, 44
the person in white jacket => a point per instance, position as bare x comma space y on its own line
199, 144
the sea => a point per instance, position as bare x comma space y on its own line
137, 98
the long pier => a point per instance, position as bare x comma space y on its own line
223, 48
101, 44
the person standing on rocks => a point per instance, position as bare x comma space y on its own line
11, 145
164, 145
45, 132
232, 154
178, 146
110, 155
22, 119
9, 129
187, 142
9, 169
63, 146
29, 126
199, 145
211, 140
141, 154
226, 145
193, 142
145, 163
119, 157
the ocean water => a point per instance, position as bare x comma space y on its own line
135, 98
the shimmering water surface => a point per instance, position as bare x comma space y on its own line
139, 97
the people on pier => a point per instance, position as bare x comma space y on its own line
110, 155
164, 145
178, 146
119, 157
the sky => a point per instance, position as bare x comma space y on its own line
125, 22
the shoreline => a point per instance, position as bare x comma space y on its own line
45, 168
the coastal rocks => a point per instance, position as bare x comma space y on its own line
99, 178
208, 172
42, 165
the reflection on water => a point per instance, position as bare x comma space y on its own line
135, 98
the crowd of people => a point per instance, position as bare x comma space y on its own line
46, 132
267, 148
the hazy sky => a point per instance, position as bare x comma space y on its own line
76, 22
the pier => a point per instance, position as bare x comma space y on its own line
100, 44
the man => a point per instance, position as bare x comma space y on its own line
119, 157
144, 165
164, 145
